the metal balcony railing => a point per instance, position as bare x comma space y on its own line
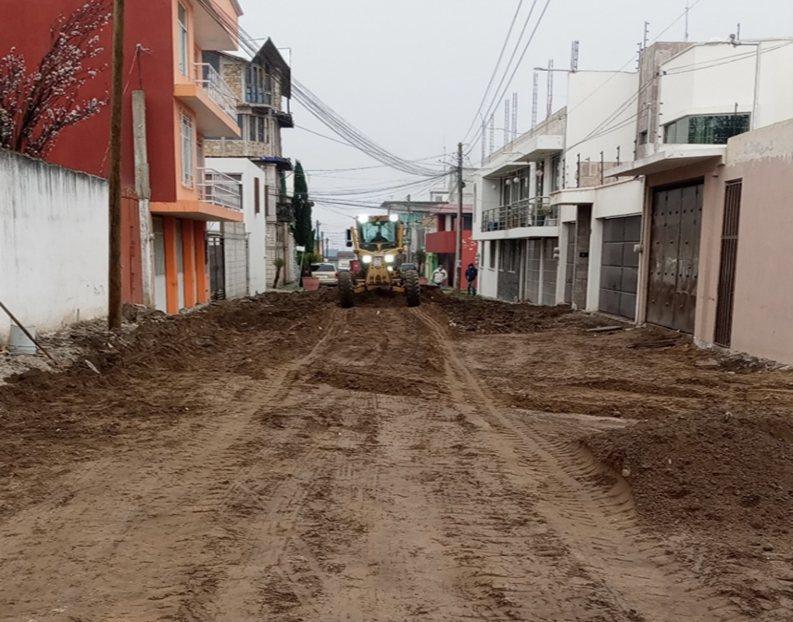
536, 212
215, 187
217, 89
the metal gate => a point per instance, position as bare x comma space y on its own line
674, 256
570, 261
729, 261
217, 267
619, 272
550, 269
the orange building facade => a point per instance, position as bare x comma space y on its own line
179, 102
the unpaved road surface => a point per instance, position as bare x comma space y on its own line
347, 466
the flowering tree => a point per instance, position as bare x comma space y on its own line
35, 106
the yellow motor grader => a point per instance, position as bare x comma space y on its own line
379, 243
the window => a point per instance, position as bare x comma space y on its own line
258, 86
257, 195
643, 137
492, 248
188, 151
540, 180
556, 165
706, 130
184, 45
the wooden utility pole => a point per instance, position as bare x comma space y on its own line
458, 255
116, 123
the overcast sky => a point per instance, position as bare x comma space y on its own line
410, 73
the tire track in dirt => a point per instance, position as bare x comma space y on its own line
115, 531
599, 529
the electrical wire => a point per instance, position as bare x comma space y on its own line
495, 70
500, 96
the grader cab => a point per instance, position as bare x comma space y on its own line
379, 243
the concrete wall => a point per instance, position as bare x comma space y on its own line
236, 258
763, 312
255, 223
601, 116
53, 244
720, 78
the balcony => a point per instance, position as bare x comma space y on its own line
536, 212
217, 89
219, 189
212, 101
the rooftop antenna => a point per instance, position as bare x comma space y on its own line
688, 10
507, 131
646, 34
535, 100
514, 116
550, 88
574, 56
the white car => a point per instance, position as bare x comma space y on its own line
326, 273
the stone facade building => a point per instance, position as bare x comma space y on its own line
263, 88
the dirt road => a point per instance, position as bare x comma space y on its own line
369, 472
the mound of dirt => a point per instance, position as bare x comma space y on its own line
478, 315
724, 472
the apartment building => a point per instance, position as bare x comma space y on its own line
648, 175
173, 102
262, 86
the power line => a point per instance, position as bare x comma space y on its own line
515, 70
495, 69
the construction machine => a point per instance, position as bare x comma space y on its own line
378, 241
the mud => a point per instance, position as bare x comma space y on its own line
284, 459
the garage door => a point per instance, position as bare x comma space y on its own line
674, 256
619, 272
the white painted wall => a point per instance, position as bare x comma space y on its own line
625, 198
598, 102
488, 271
53, 244
714, 78
255, 224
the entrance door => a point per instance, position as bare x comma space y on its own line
619, 272
729, 263
674, 256
217, 267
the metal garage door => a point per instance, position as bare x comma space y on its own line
570, 260
619, 272
549, 271
674, 256
533, 271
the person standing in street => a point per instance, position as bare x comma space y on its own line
439, 276
470, 274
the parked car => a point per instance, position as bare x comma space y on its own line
326, 273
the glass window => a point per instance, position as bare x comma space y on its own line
184, 45
706, 130
556, 165
188, 151
260, 130
378, 232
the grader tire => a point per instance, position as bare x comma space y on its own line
412, 288
346, 290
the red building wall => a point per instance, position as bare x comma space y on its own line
84, 147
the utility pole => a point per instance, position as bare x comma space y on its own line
458, 255
114, 208
318, 238
409, 231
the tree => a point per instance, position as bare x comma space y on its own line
301, 206
36, 106
421, 259
279, 265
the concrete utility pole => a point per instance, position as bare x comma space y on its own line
116, 122
458, 255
